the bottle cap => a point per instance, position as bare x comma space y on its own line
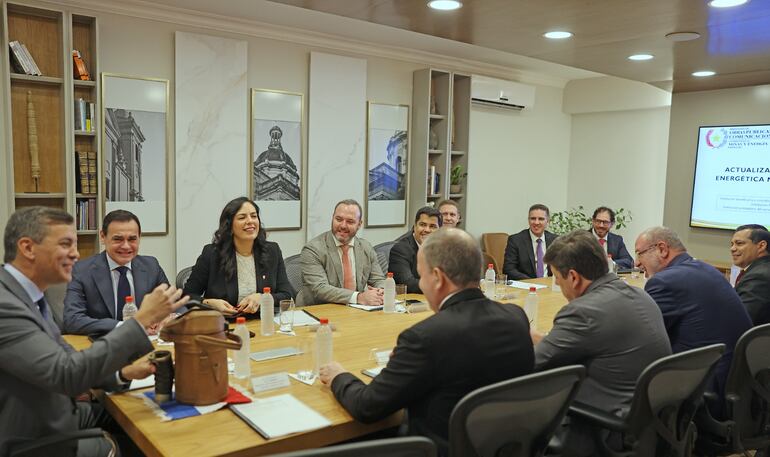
324, 320
240, 320
266, 290
491, 265
129, 298
390, 275
532, 288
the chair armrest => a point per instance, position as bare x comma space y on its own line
23, 448
598, 417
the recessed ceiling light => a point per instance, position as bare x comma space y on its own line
445, 5
683, 36
704, 73
640, 57
557, 35
726, 3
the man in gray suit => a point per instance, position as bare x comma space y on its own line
615, 330
97, 293
338, 267
40, 373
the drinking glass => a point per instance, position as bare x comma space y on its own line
307, 369
286, 315
501, 286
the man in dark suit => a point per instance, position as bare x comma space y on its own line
525, 250
615, 330
97, 293
469, 343
699, 307
749, 250
403, 254
40, 373
603, 220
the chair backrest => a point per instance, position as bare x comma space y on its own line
494, 245
667, 395
54, 296
413, 446
748, 388
182, 277
383, 254
515, 417
293, 267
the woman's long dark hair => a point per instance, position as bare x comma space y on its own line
223, 239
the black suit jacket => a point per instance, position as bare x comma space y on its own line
470, 343
519, 260
403, 264
754, 290
207, 280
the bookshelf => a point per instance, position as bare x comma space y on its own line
39, 114
441, 103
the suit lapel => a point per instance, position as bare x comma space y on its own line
335, 258
16, 289
531, 253
358, 252
141, 279
100, 272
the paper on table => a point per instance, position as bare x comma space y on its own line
525, 285
279, 415
149, 381
301, 318
366, 307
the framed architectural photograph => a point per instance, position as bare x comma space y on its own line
387, 156
135, 150
276, 168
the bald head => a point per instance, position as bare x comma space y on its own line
454, 252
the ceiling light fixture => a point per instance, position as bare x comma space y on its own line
703, 74
445, 5
726, 3
557, 35
683, 36
640, 57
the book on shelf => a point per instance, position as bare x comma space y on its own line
17, 58
84, 115
81, 172
92, 171
79, 67
85, 211
35, 69
434, 181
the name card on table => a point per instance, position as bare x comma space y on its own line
270, 382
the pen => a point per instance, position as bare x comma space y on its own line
311, 315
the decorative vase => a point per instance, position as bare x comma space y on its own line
455, 189
433, 140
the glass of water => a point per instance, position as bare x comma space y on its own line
501, 286
286, 315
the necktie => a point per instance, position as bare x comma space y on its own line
43, 306
348, 282
602, 242
539, 256
124, 290
740, 275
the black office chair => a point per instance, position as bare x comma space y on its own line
182, 277
412, 446
514, 418
659, 422
62, 444
294, 272
383, 254
745, 408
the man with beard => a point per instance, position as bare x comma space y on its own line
338, 267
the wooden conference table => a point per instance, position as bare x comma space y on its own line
223, 433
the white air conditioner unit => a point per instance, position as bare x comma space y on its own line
501, 94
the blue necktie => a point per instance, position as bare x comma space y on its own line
43, 306
124, 290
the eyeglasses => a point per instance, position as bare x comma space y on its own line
647, 249
601, 222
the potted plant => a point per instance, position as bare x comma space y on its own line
576, 218
456, 178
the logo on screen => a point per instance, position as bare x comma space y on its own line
716, 138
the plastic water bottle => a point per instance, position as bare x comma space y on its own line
242, 364
611, 265
389, 305
530, 307
324, 352
129, 309
266, 313
489, 282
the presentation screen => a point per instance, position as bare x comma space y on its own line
732, 177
